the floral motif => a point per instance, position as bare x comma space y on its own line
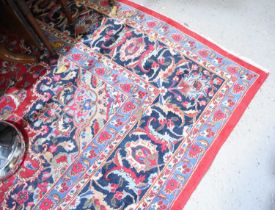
104, 136
77, 168
142, 155
22, 197
172, 185
219, 115
129, 106
194, 151
132, 48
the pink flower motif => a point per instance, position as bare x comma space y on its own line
52, 148
76, 57
155, 65
233, 69
56, 78
238, 88
161, 60
46, 204
204, 53
185, 169
126, 87
177, 37
77, 168
218, 60
100, 71
217, 81
114, 187
42, 187
129, 106
230, 103
219, 115
104, 3
92, 154
151, 24
194, 151
62, 159
64, 187
171, 185
191, 44
141, 94
118, 195
96, 127
162, 205
105, 135
22, 197
210, 133
128, 34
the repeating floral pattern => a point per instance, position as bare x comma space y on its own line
124, 118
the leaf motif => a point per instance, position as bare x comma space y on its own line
61, 69
118, 159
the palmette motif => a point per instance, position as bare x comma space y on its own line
124, 118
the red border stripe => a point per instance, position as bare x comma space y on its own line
211, 153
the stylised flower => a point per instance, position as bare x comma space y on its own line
100, 71
22, 197
46, 204
77, 168
68, 145
61, 159
217, 81
92, 154
129, 106
177, 37
185, 169
105, 135
151, 24
233, 69
118, 122
218, 60
238, 88
204, 53
152, 178
64, 187
104, 3
185, 87
194, 86
141, 94
171, 185
52, 148
161, 60
209, 133
142, 155
229, 103
43, 187
194, 151
161, 205
168, 122
126, 87
76, 57
155, 65
167, 157
219, 115
114, 187
132, 48
95, 127
118, 195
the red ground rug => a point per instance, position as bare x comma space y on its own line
132, 115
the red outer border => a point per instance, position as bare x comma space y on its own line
211, 153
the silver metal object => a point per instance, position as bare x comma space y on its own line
12, 149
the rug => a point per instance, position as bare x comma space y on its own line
131, 116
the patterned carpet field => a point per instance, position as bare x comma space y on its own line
130, 117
